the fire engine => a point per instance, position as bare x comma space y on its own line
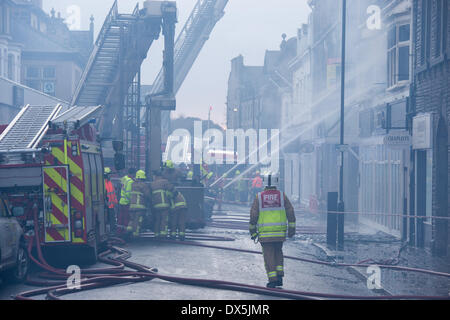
51, 172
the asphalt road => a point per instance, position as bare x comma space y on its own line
206, 263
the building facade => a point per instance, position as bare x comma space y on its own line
430, 123
38, 50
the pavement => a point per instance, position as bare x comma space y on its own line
207, 263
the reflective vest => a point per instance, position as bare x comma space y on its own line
110, 194
257, 182
125, 193
272, 221
190, 174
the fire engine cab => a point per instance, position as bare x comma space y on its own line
51, 171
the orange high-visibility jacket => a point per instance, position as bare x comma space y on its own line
111, 194
257, 182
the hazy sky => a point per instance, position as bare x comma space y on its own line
249, 27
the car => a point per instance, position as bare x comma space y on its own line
14, 260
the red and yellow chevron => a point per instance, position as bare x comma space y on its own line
65, 154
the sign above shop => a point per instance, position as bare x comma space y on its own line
400, 140
422, 132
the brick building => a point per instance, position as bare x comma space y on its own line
38, 49
255, 93
430, 124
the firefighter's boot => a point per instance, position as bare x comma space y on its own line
280, 281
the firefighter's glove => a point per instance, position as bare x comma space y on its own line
254, 236
291, 232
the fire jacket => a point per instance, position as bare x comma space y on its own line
125, 192
271, 216
110, 194
140, 195
179, 202
257, 182
162, 191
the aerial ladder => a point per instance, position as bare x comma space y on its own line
114, 65
190, 42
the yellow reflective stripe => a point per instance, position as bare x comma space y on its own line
279, 268
180, 204
271, 224
272, 274
272, 234
48, 238
292, 224
57, 178
61, 205
77, 194
74, 168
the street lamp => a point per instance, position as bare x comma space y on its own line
341, 207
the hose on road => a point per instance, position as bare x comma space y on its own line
118, 274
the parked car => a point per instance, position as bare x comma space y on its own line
14, 260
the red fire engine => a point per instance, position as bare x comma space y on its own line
51, 171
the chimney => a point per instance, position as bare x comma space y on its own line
237, 63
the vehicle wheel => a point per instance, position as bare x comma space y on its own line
20, 271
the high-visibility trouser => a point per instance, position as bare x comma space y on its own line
273, 259
135, 224
160, 227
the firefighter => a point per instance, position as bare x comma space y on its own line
206, 175
271, 216
241, 190
161, 191
111, 199
257, 184
139, 196
124, 202
178, 217
178, 205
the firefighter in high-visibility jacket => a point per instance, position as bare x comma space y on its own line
178, 217
111, 199
140, 194
271, 217
124, 202
178, 205
161, 193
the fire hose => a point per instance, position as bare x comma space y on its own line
117, 274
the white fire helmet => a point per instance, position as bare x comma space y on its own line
271, 179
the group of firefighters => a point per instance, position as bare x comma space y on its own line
141, 200
272, 217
